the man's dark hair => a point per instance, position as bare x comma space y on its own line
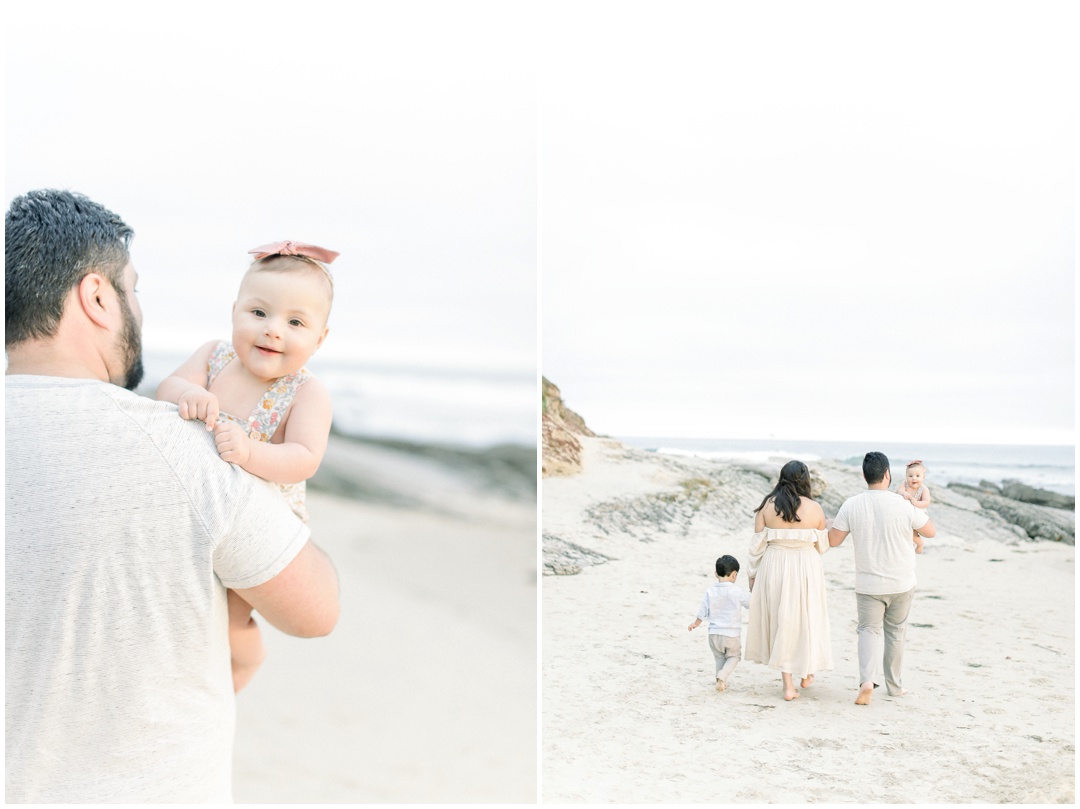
874, 467
726, 565
53, 239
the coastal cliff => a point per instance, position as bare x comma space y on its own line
560, 428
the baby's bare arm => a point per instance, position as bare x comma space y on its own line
186, 387
305, 437
923, 501
190, 375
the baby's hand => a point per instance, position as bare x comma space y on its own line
233, 444
200, 404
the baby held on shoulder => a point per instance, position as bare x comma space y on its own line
269, 415
914, 490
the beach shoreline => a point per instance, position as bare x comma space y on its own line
629, 709
425, 692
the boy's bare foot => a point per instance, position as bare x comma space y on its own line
866, 691
720, 685
806, 681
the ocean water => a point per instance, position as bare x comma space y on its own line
450, 407
1045, 467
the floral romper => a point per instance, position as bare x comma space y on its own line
265, 418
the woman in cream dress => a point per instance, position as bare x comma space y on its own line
789, 616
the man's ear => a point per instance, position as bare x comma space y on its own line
93, 293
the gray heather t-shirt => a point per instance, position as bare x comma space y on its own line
123, 528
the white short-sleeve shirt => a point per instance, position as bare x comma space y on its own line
880, 523
123, 529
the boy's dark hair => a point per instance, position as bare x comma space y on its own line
53, 239
874, 467
726, 565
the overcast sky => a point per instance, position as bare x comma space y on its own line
812, 221
402, 135
800, 220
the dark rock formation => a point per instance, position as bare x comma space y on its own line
1037, 521
1040, 497
563, 558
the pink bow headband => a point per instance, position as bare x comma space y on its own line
291, 248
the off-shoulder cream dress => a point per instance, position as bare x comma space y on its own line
789, 611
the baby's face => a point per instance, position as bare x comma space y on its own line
915, 476
279, 320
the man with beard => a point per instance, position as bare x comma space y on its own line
123, 530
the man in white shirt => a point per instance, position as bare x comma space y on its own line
123, 529
881, 523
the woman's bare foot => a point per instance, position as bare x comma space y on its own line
866, 691
806, 681
789, 688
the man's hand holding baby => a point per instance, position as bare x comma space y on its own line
199, 403
233, 442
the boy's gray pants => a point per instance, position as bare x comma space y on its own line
727, 651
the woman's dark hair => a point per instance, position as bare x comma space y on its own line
794, 484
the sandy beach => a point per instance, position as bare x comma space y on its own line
426, 689
630, 714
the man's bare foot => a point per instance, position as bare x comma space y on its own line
720, 685
901, 693
866, 691
806, 681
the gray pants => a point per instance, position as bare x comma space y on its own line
727, 651
888, 613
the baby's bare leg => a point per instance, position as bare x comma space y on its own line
918, 541
245, 642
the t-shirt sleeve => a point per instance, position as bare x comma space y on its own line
744, 597
250, 531
261, 537
919, 517
840, 521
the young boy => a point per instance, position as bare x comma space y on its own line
722, 605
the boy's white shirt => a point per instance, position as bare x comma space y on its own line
722, 607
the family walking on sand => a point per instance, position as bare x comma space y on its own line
789, 618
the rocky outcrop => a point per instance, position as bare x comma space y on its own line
1016, 490
563, 558
560, 424
1037, 521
